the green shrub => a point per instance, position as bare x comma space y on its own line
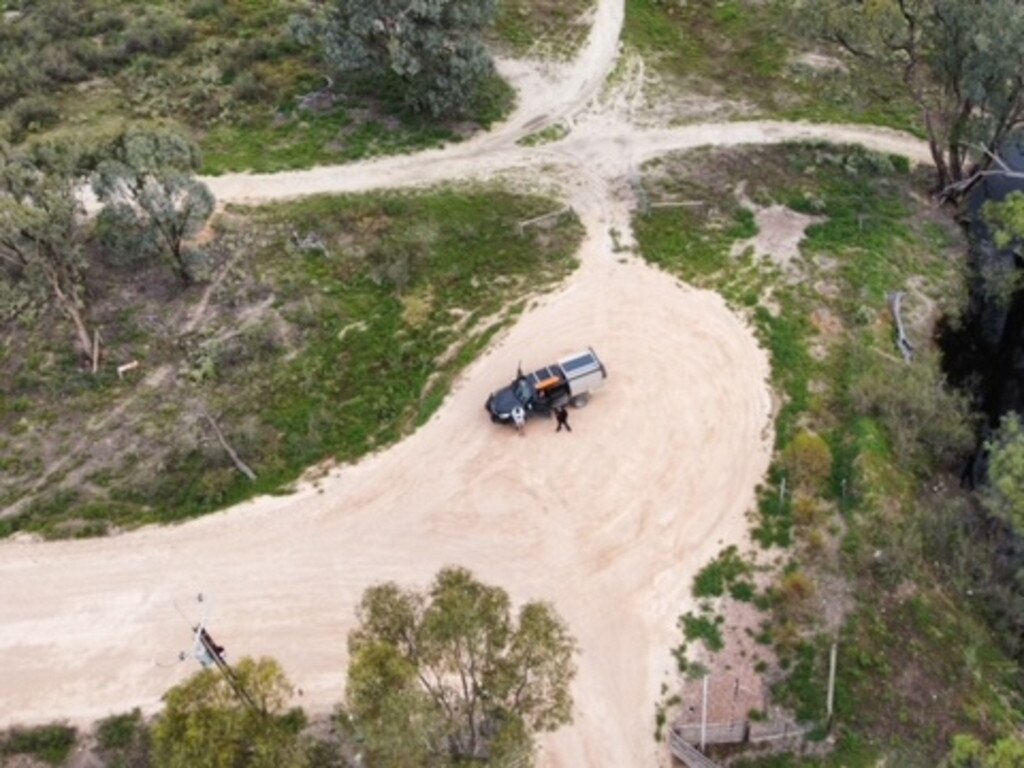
158, 33
49, 743
124, 740
719, 574
926, 421
704, 628
32, 114
808, 460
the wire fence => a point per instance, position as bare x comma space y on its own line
684, 738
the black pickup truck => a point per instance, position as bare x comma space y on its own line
567, 382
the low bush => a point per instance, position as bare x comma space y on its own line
50, 743
808, 460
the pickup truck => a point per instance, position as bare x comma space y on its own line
567, 382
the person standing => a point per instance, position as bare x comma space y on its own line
519, 419
562, 416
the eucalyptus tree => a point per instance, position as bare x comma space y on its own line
43, 229
450, 675
205, 722
961, 61
434, 47
148, 188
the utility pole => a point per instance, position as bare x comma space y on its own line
704, 717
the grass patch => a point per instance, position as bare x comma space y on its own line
552, 133
748, 53
703, 627
123, 740
914, 666
49, 743
722, 573
229, 74
543, 27
306, 355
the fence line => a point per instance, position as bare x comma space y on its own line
683, 738
714, 733
686, 753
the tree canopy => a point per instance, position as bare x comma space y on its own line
433, 47
960, 60
205, 723
968, 752
1006, 219
41, 229
151, 197
1005, 494
450, 675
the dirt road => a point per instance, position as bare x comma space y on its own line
609, 523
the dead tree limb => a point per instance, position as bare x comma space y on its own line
522, 225
240, 465
902, 342
677, 204
958, 188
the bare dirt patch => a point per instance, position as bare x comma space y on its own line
780, 230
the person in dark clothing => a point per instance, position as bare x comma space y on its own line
209, 643
562, 416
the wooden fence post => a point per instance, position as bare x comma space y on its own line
831, 682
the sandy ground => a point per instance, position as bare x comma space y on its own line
609, 523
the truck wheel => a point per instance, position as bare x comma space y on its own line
580, 401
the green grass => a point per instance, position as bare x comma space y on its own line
552, 133
720, 574
230, 74
913, 669
703, 627
49, 743
742, 51
944, 677
359, 348
123, 741
303, 141
293, 139
545, 27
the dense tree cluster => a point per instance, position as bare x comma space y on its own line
433, 47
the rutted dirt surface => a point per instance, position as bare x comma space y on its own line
609, 523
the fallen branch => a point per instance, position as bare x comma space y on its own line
311, 242
123, 369
521, 226
95, 351
240, 465
902, 342
958, 188
677, 204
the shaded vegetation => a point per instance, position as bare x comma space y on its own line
49, 743
346, 323
228, 73
861, 437
544, 27
749, 56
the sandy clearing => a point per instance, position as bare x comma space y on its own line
610, 523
